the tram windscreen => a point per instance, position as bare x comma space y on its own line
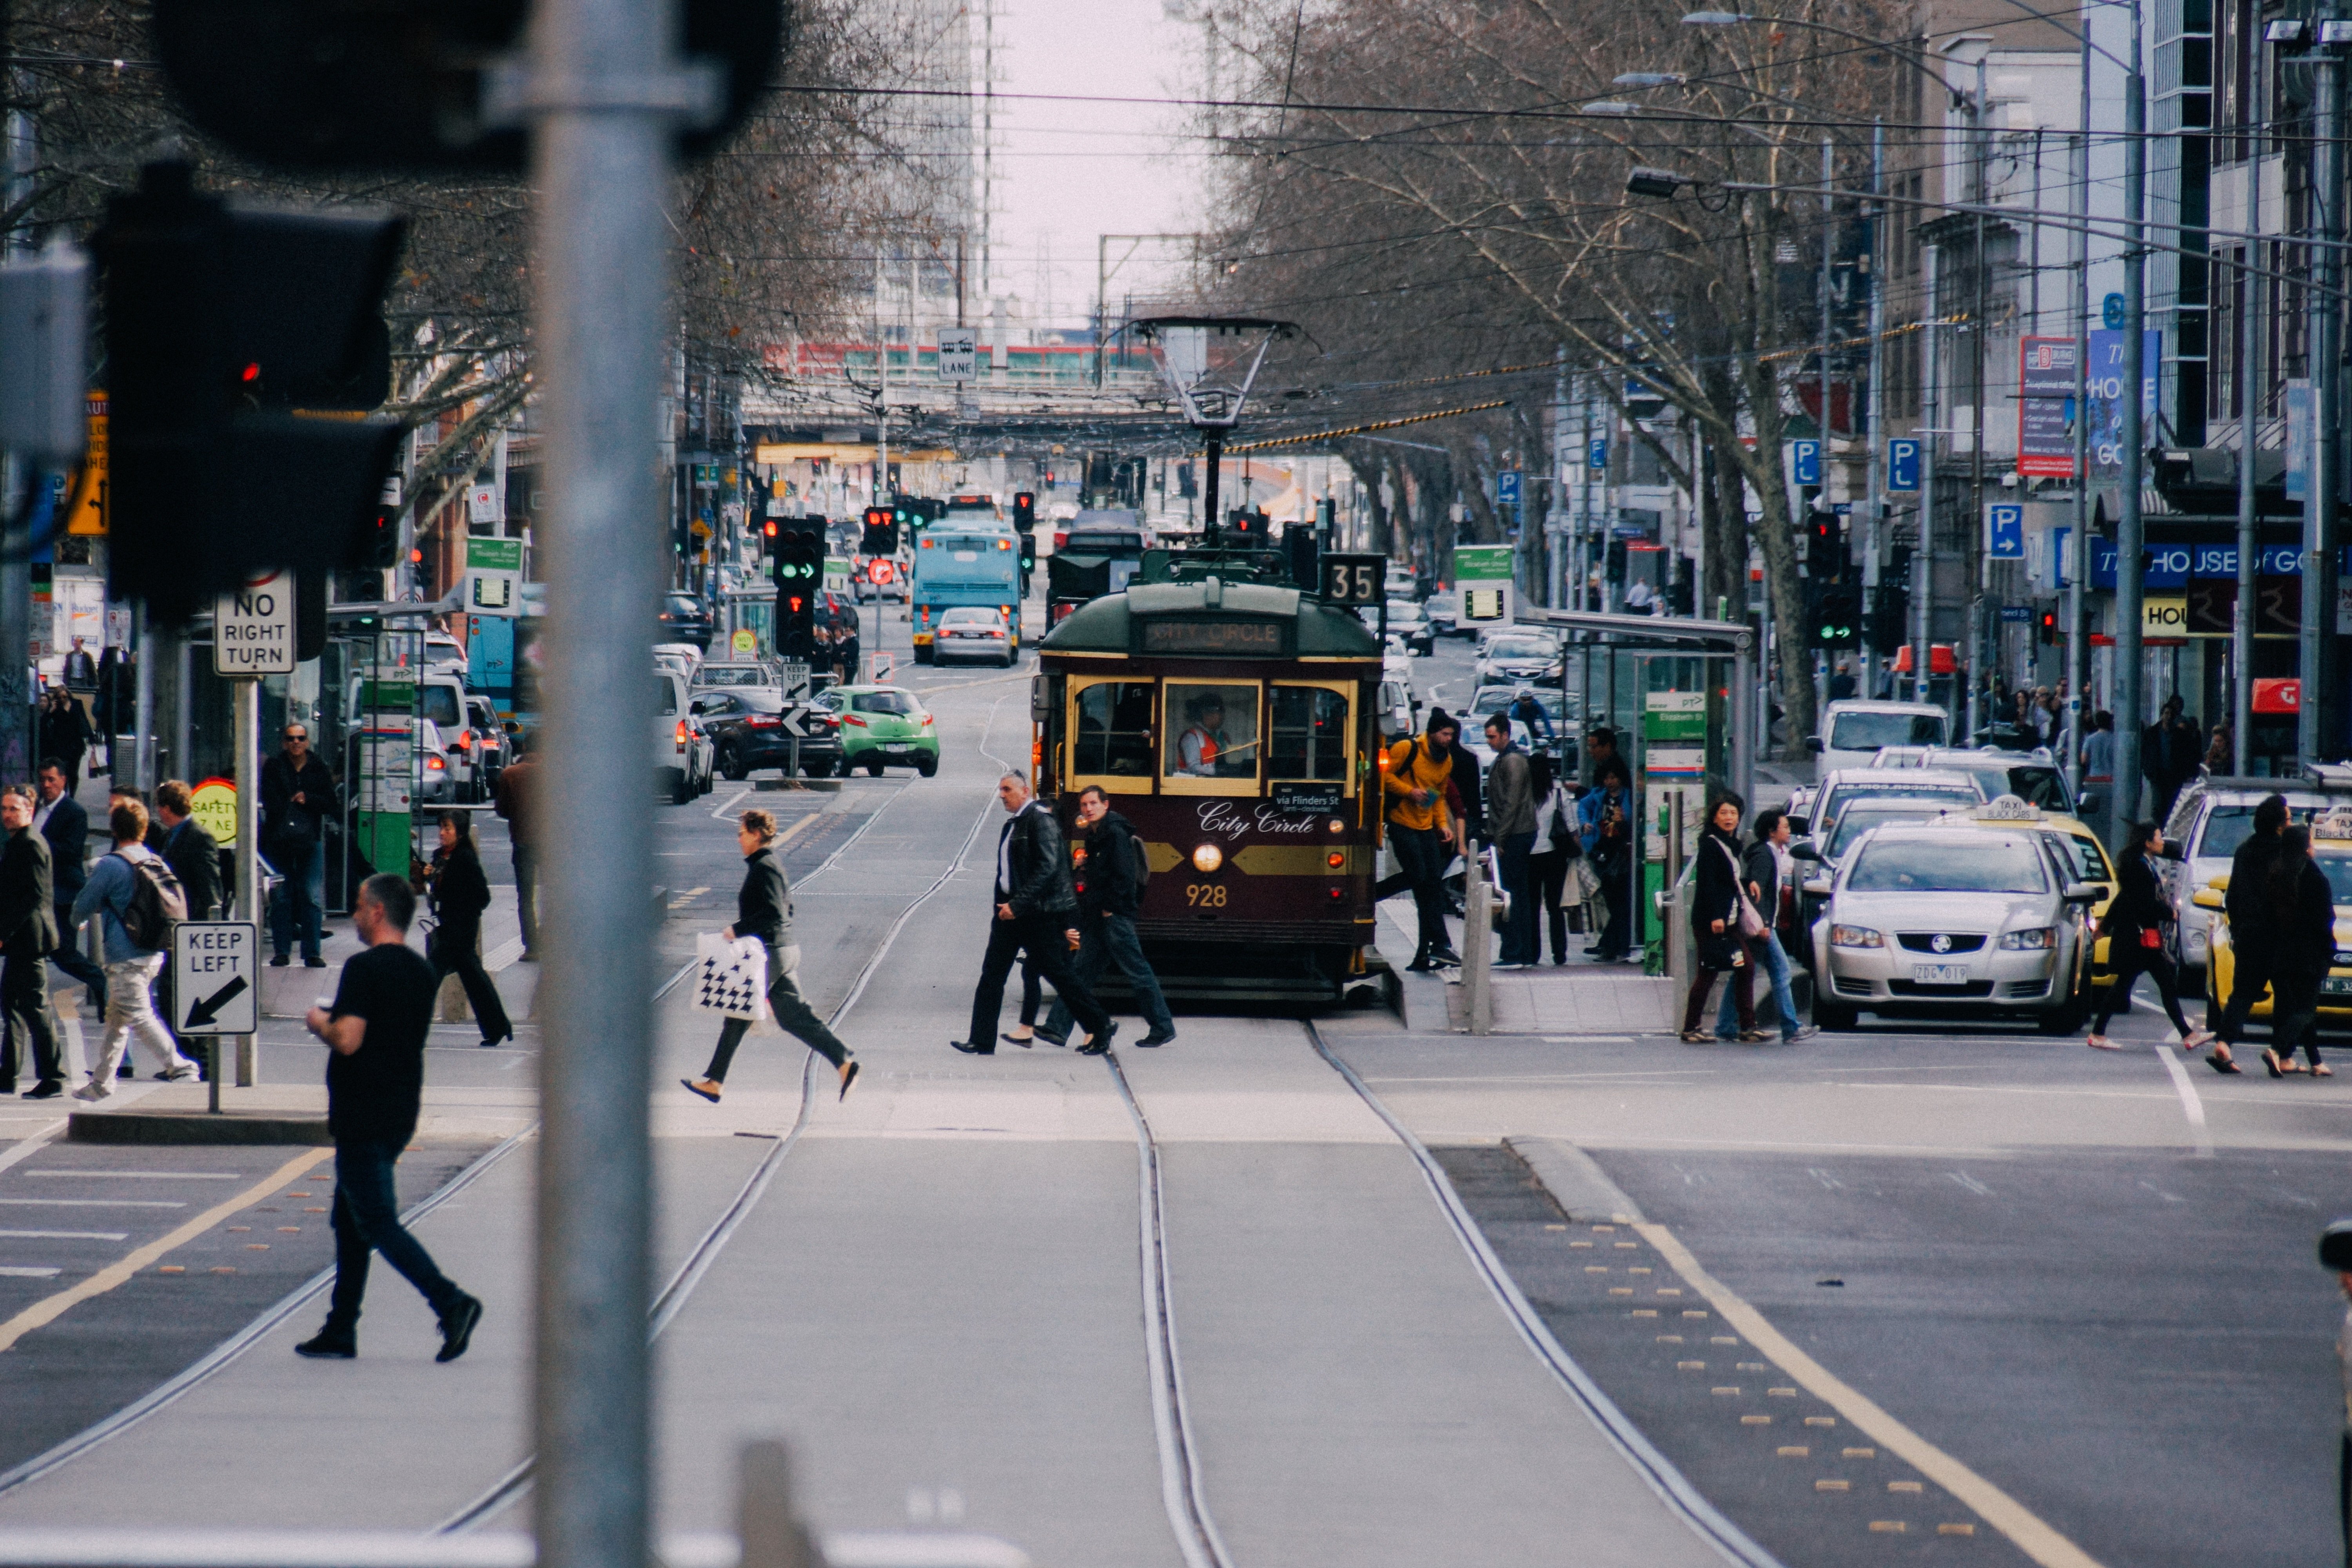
1212, 732
1114, 733
1310, 739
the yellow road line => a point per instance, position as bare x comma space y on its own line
51, 1308
797, 828
2036, 1539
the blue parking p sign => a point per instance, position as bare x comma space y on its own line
2005, 531
1596, 455
1902, 464
1805, 458
1506, 487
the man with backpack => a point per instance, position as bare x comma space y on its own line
137, 901
1110, 889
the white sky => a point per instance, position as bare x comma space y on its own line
1067, 173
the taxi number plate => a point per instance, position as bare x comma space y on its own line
1939, 973
2337, 986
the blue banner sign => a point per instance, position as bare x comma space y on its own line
1902, 464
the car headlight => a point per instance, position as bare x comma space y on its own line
2039, 937
1855, 936
2341, 958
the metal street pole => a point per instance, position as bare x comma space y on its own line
1874, 520
2242, 629
2325, 487
2078, 568
2131, 533
606, 93
1922, 560
246, 716
1980, 672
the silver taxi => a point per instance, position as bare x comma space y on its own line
1971, 915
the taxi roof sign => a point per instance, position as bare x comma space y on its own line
2334, 824
2007, 808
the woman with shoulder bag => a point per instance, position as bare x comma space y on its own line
763, 909
1721, 919
1556, 844
2133, 927
459, 893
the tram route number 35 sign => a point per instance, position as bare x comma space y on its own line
1355, 579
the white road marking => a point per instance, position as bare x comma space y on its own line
66, 1234
2189, 1104
1965, 1180
147, 1175
93, 1203
729, 803
32, 1143
27, 1273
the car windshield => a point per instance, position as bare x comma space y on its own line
1868, 732
1494, 698
2042, 787
969, 617
1947, 797
882, 702
440, 704
2086, 857
1941, 865
1868, 815
1518, 647
681, 605
2338, 868
733, 674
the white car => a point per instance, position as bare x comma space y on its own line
1409, 621
2210, 819
1953, 919
683, 758
2032, 776
443, 651
1945, 791
972, 631
1399, 710
1853, 733
1517, 658
436, 783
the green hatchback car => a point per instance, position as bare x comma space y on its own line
884, 726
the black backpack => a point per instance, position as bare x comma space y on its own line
157, 903
1142, 859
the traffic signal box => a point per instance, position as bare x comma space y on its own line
244, 344
796, 563
881, 536
1025, 511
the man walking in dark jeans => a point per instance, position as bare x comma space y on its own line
1108, 900
29, 930
377, 1030
1036, 911
298, 795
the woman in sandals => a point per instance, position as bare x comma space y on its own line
1714, 924
2133, 927
764, 909
2306, 950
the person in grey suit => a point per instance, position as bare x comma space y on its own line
59, 817
29, 930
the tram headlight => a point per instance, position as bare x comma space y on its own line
1338, 825
1207, 858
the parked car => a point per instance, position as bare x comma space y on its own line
747, 730
884, 726
685, 618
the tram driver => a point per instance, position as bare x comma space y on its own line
1203, 741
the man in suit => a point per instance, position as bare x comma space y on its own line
29, 930
60, 819
194, 855
1036, 911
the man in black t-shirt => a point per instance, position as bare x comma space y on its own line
377, 1030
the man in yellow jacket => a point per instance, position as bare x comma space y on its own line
1414, 775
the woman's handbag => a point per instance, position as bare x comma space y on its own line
734, 981
1750, 923
1719, 951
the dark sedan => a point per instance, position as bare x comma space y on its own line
685, 618
747, 727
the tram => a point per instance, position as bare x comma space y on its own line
1230, 717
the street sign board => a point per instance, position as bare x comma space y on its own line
253, 628
958, 353
494, 576
1596, 454
792, 720
2114, 312
792, 675
1483, 574
2005, 530
1903, 463
1506, 487
744, 643
486, 503
213, 804
1805, 458
2016, 614
216, 977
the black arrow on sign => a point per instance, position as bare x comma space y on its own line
205, 1011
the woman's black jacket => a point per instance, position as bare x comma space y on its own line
1716, 882
761, 907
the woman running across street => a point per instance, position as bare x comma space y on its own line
2133, 927
764, 909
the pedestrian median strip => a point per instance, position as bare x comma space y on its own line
51, 1308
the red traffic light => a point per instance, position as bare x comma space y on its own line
769, 528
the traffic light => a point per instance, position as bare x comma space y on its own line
2046, 630
354, 84
881, 536
1824, 546
1890, 617
240, 340
1025, 511
797, 565
1836, 620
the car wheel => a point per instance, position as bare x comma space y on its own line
873, 769
682, 792
733, 766
927, 768
1830, 1016
2067, 1019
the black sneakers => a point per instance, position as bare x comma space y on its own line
457, 1328
330, 1343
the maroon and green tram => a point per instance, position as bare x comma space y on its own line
1232, 721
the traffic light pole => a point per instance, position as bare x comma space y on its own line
246, 716
606, 95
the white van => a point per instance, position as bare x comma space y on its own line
683, 753
1853, 733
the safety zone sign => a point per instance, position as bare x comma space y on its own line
253, 628
216, 981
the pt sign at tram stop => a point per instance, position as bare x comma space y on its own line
253, 637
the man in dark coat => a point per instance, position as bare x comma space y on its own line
2171, 751
517, 781
1036, 911
60, 819
2254, 929
298, 795
1107, 901
29, 930
65, 734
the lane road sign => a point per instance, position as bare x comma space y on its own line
216, 977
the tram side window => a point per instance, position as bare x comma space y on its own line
1310, 733
1211, 732
1114, 734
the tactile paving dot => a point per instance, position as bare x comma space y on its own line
1887, 1527
1792, 1451
1905, 1487
1755, 1421
1832, 1486
1821, 1420
1955, 1529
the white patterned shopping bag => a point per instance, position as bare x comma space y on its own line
734, 976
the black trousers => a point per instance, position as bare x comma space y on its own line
1040, 936
2251, 977
2130, 963
367, 1219
1548, 874
454, 952
793, 1015
1421, 862
24, 998
2294, 1015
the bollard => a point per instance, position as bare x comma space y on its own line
1477, 943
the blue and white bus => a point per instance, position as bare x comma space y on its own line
957, 564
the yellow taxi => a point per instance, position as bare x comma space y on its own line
2331, 851
2069, 839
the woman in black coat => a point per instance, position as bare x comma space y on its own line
459, 893
764, 909
1714, 924
2306, 908
2133, 927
